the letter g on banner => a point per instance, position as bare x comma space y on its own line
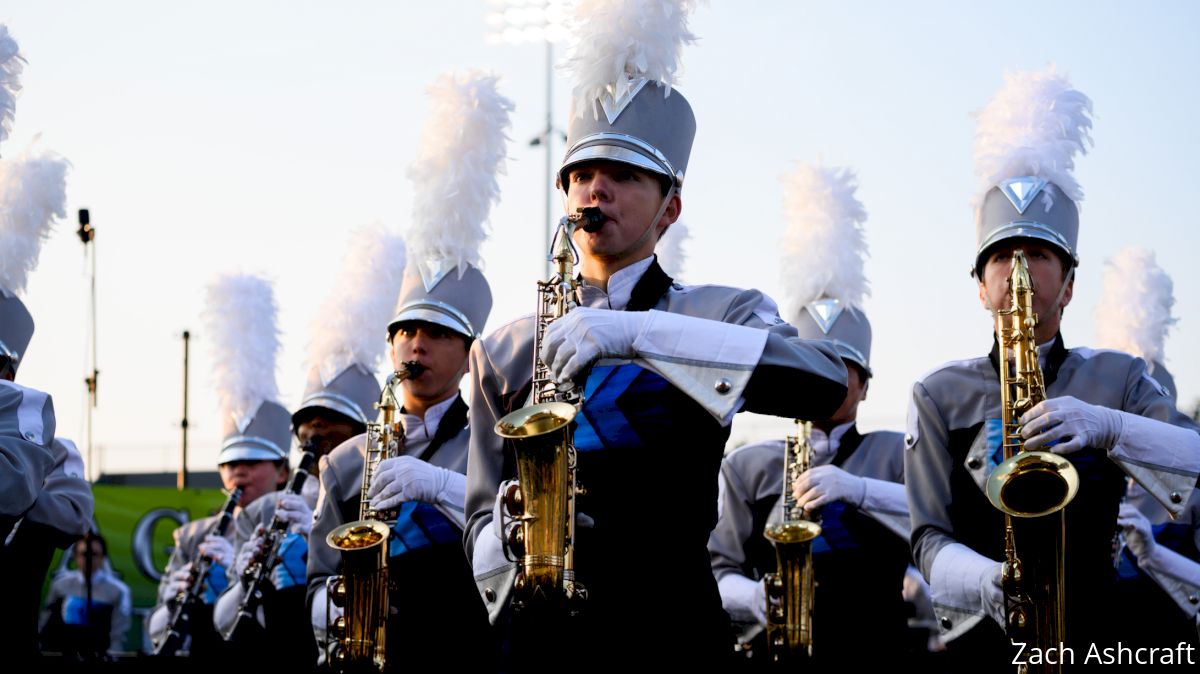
143, 539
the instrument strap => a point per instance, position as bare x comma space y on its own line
452, 422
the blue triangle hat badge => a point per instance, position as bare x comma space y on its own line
825, 312
1022, 191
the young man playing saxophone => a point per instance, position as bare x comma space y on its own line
663, 368
1102, 411
436, 616
855, 485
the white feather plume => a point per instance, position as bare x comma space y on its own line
824, 247
33, 194
349, 326
11, 64
671, 256
1134, 313
1034, 125
463, 148
240, 317
616, 42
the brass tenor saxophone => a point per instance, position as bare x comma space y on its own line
542, 501
357, 639
1029, 484
790, 588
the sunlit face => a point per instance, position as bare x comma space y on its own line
1046, 272
254, 477
441, 350
629, 197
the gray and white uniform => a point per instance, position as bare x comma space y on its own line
26, 454
953, 426
661, 419
859, 563
436, 604
68, 599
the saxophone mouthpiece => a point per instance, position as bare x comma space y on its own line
410, 370
592, 219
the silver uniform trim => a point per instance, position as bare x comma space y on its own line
1027, 229
334, 401
249, 442
9, 353
432, 311
620, 147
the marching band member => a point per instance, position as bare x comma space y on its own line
240, 314
1103, 411
854, 486
338, 402
444, 303
680, 362
45, 503
1159, 564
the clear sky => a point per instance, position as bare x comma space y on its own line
216, 136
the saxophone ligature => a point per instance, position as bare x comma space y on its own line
1033, 485
542, 501
357, 638
790, 588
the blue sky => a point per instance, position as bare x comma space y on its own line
216, 136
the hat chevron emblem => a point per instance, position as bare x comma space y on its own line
825, 312
615, 105
1022, 191
433, 271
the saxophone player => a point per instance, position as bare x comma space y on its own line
240, 314
1102, 410
443, 306
855, 482
339, 395
678, 363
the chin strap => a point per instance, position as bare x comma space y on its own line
653, 222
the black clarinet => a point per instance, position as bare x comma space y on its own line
257, 575
179, 627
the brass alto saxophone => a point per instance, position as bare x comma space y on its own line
790, 588
542, 501
357, 639
1029, 484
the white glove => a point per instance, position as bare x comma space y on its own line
293, 509
178, 581
249, 549
1071, 423
1139, 537
585, 334
407, 478
961, 577
826, 484
743, 598
218, 548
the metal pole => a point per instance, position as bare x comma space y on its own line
547, 140
181, 479
87, 234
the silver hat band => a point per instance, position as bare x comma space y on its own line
621, 147
851, 353
252, 442
334, 401
9, 353
1027, 229
428, 310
